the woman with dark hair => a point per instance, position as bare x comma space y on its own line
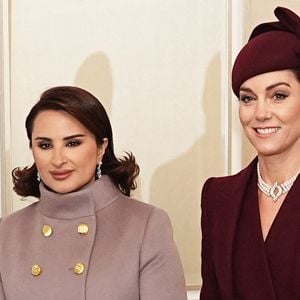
251, 220
84, 238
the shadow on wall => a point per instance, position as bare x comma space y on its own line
176, 185
95, 76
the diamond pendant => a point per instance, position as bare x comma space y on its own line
276, 191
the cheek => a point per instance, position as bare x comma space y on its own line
86, 155
288, 116
243, 116
42, 158
291, 114
37, 156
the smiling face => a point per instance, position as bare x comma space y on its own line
270, 112
65, 152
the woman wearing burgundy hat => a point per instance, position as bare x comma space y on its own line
251, 220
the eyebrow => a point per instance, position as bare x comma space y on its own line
268, 88
64, 139
276, 84
245, 89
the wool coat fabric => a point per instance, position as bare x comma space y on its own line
237, 263
128, 252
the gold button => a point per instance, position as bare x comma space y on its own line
78, 268
83, 228
36, 270
47, 230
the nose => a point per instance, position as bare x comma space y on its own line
58, 157
263, 110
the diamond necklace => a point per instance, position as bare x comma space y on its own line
276, 190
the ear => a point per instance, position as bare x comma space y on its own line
101, 149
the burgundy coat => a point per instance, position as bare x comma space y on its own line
128, 252
236, 262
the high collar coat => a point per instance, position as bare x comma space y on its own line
236, 262
124, 252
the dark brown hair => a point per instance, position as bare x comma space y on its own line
297, 73
88, 110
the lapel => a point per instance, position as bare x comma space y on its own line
286, 221
228, 197
250, 262
225, 200
283, 245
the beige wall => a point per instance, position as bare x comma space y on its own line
161, 69
5, 187
157, 66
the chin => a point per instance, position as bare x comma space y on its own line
266, 149
71, 189
267, 152
62, 190
69, 185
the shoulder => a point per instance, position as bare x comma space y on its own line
229, 182
140, 219
137, 209
220, 194
18, 219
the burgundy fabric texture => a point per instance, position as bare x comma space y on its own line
236, 262
271, 47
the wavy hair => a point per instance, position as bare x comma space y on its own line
88, 110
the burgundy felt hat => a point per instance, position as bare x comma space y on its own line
271, 47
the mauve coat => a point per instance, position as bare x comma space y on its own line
128, 252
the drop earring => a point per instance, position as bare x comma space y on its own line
38, 177
98, 170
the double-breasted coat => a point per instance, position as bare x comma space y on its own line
95, 243
237, 263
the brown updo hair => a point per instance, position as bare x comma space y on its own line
88, 110
296, 73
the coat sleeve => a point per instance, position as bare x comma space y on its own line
209, 290
1, 290
161, 273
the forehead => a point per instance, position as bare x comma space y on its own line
57, 123
268, 79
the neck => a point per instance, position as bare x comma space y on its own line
275, 169
280, 166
